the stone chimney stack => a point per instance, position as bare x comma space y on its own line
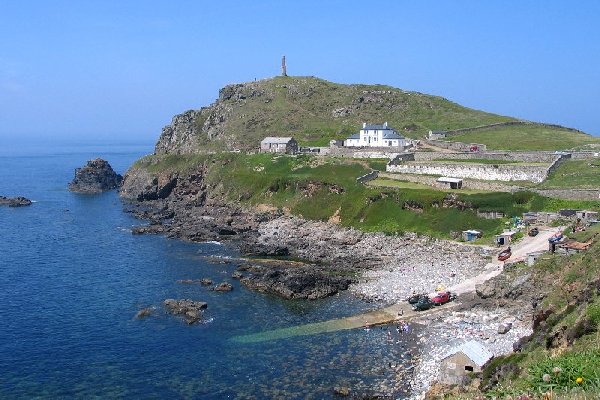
283, 68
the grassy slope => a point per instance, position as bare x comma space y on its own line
303, 107
527, 138
309, 186
583, 174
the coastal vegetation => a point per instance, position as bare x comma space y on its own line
325, 188
582, 174
527, 137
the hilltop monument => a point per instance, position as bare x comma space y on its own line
283, 69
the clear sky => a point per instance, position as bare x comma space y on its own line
119, 70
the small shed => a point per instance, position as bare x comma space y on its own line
272, 144
454, 183
471, 235
532, 257
505, 238
587, 215
469, 357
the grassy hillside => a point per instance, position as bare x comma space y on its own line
527, 137
582, 174
320, 188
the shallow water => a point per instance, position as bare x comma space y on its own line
72, 278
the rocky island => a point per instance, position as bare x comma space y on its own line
95, 177
18, 201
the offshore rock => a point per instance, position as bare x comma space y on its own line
223, 287
95, 177
18, 201
189, 309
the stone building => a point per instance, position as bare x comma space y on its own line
375, 136
272, 144
460, 361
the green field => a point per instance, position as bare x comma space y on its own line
582, 174
528, 137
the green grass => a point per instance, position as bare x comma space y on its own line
529, 137
319, 187
582, 174
400, 184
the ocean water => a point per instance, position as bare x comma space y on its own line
72, 277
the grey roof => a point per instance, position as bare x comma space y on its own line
272, 139
391, 135
446, 179
355, 136
473, 349
379, 127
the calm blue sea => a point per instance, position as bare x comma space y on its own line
72, 278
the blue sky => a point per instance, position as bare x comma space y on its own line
119, 70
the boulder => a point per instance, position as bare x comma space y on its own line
145, 312
18, 201
224, 287
504, 327
189, 309
237, 275
95, 177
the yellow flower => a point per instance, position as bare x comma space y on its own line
579, 380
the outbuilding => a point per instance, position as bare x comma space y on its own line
272, 144
471, 235
454, 183
460, 361
505, 238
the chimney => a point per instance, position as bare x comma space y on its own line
385, 124
364, 125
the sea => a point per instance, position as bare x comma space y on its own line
73, 277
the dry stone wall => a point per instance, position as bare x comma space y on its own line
501, 172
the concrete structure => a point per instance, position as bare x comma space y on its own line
505, 238
375, 136
454, 183
587, 215
471, 235
532, 257
490, 214
469, 357
279, 145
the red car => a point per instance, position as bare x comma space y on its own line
442, 298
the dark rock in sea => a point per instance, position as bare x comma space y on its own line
342, 391
206, 281
18, 201
237, 275
95, 177
223, 287
305, 282
145, 312
189, 309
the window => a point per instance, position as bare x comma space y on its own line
468, 368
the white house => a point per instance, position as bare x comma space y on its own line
375, 136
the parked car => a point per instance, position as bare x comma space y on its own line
415, 298
533, 232
423, 304
443, 298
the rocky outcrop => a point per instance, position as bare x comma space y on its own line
190, 310
18, 201
95, 177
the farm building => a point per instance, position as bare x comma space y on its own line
279, 145
505, 238
467, 358
454, 183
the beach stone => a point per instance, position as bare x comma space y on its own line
189, 309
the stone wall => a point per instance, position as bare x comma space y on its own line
516, 156
455, 146
511, 123
571, 194
500, 172
493, 186
373, 152
367, 177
